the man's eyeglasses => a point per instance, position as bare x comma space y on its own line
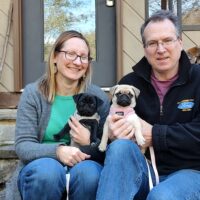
73, 56
153, 45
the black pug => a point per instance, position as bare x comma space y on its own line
86, 112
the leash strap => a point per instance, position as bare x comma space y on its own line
67, 185
153, 161
150, 177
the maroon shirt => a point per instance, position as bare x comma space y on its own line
162, 87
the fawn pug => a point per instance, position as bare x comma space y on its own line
123, 103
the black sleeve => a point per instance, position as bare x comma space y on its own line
93, 150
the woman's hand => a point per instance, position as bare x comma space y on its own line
78, 132
70, 155
120, 128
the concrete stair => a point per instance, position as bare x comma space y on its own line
8, 157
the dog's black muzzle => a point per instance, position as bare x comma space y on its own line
87, 111
87, 105
123, 99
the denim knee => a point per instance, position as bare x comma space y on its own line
183, 184
121, 148
85, 175
158, 193
48, 172
43, 173
37, 178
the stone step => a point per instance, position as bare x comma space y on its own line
2, 195
7, 152
8, 163
7, 132
7, 126
8, 157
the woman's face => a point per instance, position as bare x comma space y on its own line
72, 60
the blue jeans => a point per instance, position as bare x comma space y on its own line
125, 177
45, 179
183, 184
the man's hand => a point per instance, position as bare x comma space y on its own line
119, 128
146, 132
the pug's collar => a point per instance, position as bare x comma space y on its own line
79, 117
123, 111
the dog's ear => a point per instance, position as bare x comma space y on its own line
99, 101
198, 56
112, 89
194, 54
76, 97
136, 91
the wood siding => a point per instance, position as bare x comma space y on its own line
7, 71
133, 14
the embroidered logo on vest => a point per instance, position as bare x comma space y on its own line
186, 105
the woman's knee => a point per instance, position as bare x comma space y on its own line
86, 173
43, 171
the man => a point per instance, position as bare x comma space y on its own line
169, 108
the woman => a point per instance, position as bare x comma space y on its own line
45, 106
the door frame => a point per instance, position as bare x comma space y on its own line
18, 43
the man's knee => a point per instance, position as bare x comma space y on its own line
159, 194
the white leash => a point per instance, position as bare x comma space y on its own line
67, 185
153, 162
150, 177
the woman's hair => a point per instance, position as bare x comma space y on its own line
47, 84
158, 16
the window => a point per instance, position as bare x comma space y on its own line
67, 15
188, 11
191, 15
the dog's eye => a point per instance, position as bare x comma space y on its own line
130, 95
81, 103
118, 94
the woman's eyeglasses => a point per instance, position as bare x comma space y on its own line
73, 56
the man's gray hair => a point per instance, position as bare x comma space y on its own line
161, 15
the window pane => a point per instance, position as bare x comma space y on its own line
157, 5
154, 6
191, 12
62, 15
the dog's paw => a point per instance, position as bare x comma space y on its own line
102, 147
140, 140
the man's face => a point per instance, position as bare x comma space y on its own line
162, 48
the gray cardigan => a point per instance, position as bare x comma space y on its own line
32, 119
